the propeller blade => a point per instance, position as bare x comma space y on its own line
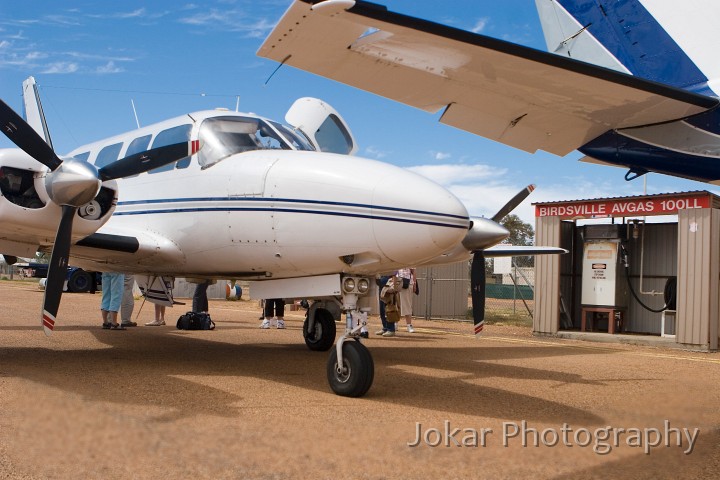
57, 269
513, 203
477, 291
26, 138
144, 161
10, 259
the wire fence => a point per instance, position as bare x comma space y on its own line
445, 293
511, 295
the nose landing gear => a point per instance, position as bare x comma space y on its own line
353, 374
350, 368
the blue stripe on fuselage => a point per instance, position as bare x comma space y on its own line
629, 32
287, 200
225, 204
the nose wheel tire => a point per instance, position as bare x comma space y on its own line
355, 376
323, 335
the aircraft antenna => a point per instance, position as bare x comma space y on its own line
278, 68
132, 102
237, 103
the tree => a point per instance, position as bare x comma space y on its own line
521, 233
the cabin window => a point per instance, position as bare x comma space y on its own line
178, 134
225, 136
108, 155
138, 145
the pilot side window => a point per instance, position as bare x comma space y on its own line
333, 137
173, 135
222, 137
108, 155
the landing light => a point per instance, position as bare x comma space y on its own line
349, 285
363, 285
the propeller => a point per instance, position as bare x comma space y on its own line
10, 259
477, 290
489, 231
513, 203
71, 184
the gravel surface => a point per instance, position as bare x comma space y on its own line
240, 402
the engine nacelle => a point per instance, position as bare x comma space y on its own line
29, 218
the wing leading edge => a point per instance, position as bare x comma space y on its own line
525, 98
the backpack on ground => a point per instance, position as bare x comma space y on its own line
195, 321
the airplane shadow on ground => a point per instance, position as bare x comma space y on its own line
662, 462
161, 358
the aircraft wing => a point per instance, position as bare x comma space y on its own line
519, 96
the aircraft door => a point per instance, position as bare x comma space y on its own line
323, 126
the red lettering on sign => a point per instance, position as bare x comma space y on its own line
626, 207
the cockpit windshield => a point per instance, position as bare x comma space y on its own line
225, 136
296, 138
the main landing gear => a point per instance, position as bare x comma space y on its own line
350, 368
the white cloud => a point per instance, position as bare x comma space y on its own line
32, 56
62, 20
230, 20
440, 156
61, 67
457, 174
135, 13
109, 67
480, 25
485, 189
374, 152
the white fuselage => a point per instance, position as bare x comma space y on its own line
275, 214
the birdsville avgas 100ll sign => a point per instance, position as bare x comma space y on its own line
619, 207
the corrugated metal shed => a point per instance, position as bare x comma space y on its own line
547, 277
689, 250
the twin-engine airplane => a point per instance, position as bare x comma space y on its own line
220, 194
646, 99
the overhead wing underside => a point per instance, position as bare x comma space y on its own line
525, 98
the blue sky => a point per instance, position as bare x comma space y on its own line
92, 58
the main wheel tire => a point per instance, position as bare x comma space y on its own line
80, 281
323, 335
357, 373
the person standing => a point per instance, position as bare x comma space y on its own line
162, 288
128, 301
112, 292
200, 299
159, 317
274, 307
388, 328
407, 276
